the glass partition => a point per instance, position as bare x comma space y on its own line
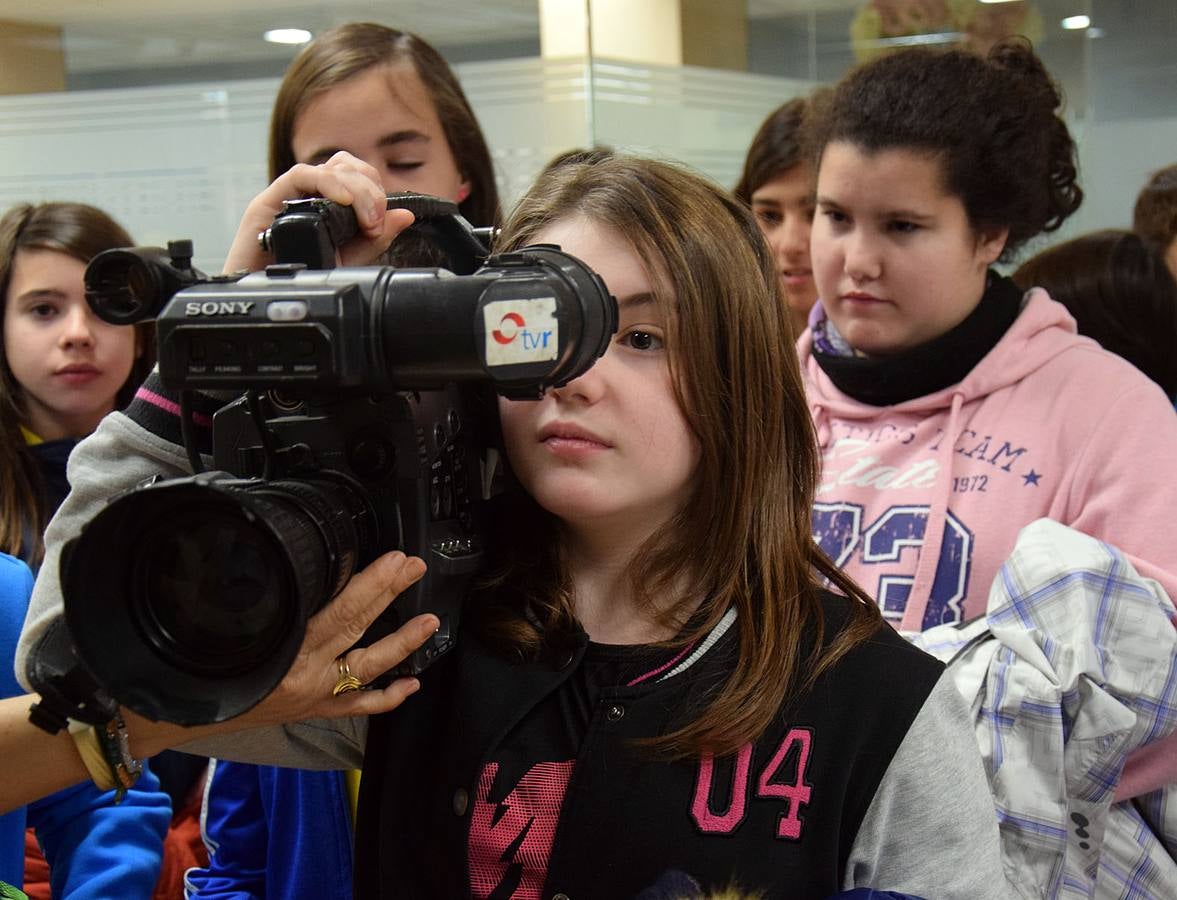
159, 112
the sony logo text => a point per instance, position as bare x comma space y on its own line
219, 308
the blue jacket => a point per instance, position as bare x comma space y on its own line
95, 849
274, 834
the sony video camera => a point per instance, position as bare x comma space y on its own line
364, 415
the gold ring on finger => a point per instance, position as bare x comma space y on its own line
347, 682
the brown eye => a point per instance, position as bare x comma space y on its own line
642, 340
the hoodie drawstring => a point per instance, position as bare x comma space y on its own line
821, 424
929, 558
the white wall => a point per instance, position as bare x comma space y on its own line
184, 160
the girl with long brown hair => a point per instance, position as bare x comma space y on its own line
62, 368
61, 371
653, 682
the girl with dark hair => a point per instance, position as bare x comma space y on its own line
953, 408
363, 111
619, 709
385, 74
1121, 294
63, 368
777, 182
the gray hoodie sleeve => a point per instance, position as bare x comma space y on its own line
931, 829
315, 744
115, 458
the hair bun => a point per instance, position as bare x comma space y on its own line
1016, 57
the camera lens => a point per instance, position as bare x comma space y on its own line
207, 595
204, 618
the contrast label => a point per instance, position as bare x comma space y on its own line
521, 331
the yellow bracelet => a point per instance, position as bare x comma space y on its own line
90, 750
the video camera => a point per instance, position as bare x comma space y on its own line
365, 420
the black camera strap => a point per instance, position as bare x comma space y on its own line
67, 690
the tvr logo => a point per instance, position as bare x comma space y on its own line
513, 326
523, 331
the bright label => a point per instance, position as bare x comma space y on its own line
521, 331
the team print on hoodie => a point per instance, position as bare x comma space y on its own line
921, 501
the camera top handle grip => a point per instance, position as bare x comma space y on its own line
308, 231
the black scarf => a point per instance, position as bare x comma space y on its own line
930, 367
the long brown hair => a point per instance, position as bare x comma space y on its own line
82, 232
737, 379
345, 51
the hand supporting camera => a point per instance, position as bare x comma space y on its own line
37, 763
344, 179
307, 691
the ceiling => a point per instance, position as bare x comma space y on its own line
117, 43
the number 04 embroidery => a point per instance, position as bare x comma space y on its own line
782, 779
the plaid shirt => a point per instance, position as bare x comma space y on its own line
1073, 667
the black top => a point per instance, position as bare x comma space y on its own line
458, 797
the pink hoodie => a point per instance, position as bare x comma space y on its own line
1047, 424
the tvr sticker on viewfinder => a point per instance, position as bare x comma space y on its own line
521, 331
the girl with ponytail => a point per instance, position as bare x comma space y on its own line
952, 407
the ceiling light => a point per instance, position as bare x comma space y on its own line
998, 1
1076, 23
913, 40
289, 35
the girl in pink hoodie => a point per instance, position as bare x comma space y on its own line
952, 409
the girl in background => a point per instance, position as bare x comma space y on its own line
777, 182
363, 111
953, 409
63, 368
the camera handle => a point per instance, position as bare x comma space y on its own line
308, 231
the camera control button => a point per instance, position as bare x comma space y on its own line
286, 310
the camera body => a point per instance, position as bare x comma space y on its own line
414, 459
366, 421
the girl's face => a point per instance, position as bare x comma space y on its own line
784, 210
68, 362
896, 260
610, 451
385, 117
